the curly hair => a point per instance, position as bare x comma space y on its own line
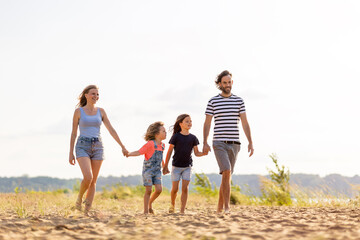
220, 76
152, 130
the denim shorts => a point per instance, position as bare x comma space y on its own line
151, 177
89, 147
178, 172
226, 155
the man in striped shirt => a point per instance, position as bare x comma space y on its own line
227, 110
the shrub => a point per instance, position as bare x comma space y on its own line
276, 191
238, 197
204, 187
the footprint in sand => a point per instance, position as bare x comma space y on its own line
227, 230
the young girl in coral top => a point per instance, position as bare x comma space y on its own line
153, 151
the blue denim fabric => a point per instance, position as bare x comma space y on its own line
152, 168
178, 173
89, 147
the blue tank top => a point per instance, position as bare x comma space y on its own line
90, 124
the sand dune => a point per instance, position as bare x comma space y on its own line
244, 222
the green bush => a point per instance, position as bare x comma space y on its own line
276, 191
204, 187
119, 191
76, 187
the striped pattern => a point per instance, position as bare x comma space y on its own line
226, 112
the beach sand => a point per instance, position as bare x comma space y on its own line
201, 222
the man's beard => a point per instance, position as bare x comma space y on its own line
225, 90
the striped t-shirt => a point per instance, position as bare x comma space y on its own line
226, 112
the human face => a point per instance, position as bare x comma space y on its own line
162, 134
186, 124
92, 96
226, 84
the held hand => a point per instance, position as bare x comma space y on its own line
166, 170
71, 159
206, 148
250, 149
125, 152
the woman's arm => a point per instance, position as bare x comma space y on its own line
75, 125
197, 153
112, 131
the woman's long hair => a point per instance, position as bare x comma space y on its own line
82, 98
176, 128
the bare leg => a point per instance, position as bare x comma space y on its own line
184, 194
174, 190
224, 192
85, 166
221, 200
148, 190
154, 195
95, 166
225, 182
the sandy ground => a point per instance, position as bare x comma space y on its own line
244, 222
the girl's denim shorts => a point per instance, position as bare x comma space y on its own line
178, 173
89, 147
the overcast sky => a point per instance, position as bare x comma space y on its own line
295, 64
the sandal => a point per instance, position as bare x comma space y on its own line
87, 207
78, 204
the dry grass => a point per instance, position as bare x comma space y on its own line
51, 215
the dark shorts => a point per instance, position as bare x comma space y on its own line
226, 155
89, 147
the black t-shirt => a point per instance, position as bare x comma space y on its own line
183, 146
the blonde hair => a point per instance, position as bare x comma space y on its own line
152, 130
82, 98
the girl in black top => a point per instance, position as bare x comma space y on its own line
184, 143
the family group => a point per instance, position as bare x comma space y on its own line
227, 110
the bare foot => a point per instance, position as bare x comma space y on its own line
171, 209
151, 211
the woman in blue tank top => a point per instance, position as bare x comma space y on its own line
89, 148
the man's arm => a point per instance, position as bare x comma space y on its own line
247, 132
207, 125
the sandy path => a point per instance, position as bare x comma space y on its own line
245, 222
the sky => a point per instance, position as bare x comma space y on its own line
295, 64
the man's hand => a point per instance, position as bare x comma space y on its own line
206, 149
250, 149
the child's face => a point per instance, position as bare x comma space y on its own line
186, 124
162, 134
